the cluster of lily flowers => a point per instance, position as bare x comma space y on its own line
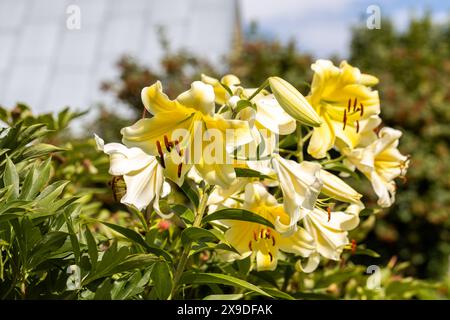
312, 209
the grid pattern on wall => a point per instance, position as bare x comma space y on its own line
47, 65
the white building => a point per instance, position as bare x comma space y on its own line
46, 61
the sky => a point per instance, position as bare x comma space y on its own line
322, 27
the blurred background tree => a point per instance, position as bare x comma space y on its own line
414, 71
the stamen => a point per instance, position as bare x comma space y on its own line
261, 233
161, 154
357, 126
254, 236
355, 103
345, 119
179, 170
329, 213
250, 245
267, 235
271, 257
362, 109
177, 147
167, 143
273, 241
353, 245
349, 104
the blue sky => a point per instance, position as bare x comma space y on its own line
322, 27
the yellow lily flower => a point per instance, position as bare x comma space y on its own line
230, 80
267, 122
142, 173
175, 131
381, 162
262, 242
344, 100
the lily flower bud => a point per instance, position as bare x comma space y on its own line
293, 102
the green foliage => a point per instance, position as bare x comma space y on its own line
414, 72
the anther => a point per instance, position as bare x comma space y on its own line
250, 245
362, 109
271, 257
349, 104
355, 103
161, 155
179, 170
167, 143
273, 241
254, 236
357, 126
345, 119
329, 213
177, 147
353, 245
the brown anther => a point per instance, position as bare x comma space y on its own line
355, 103
357, 126
167, 143
271, 257
177, 147
345, 119
180, 166
329, 213
267, 235
349, 104
273, 241
250, 245
361, 110
261, 234
254, 236
161, 154
158, 146
353, 245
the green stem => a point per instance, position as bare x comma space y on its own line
185, 254
261, 87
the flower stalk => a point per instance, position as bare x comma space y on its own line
185, 253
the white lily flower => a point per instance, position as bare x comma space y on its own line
381, 162
329, 229
142, 173
301, 185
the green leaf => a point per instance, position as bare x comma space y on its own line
40, 149
138, 239
250, 173
73, 209
48, 243
190, 191
277, 293
92, 248
184, 213
237, 214
11, 177
136, 261
218, 278
366, 252
231, 296
197, 234
162, 279
47, 197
